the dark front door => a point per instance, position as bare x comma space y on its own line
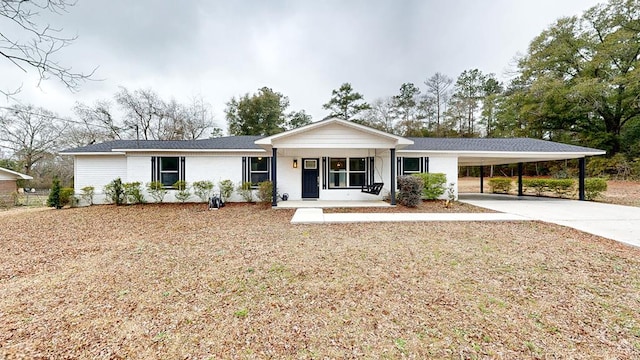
310, 175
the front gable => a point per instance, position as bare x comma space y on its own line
334, 134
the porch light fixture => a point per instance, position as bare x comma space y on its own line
295, 163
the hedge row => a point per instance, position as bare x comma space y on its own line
593, 187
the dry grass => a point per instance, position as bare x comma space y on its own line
180, 282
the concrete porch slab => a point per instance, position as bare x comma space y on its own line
325, 204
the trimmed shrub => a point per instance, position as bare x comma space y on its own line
594, 187
265, 192
226, 189
561, 187
87, 194
500, 185
67, 198
434, 185
114, 192
537, 185
133, 192
245, 190
203, 189
410, 190
157, 191
183, 192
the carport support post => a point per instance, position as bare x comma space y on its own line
274, 176
519, 179
481, 179
582, 171
393, 176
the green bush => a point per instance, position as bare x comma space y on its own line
203, 189
434, 185
114, 192
157, 191
537, 185
67, 198
226, 189
87, 194
500, 185
133, 192
183, 192
410, 190
265, 192
561, 187
245, 190
594, 187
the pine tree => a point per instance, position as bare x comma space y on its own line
54, 195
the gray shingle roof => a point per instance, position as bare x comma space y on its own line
494, 144
426, 144
226, 143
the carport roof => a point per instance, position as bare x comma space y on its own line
495, 144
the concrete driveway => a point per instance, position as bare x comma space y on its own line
616, 222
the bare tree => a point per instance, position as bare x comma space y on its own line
144, 111
31, 133
381, 115
96, 124
26, 43
438, 87
155, 119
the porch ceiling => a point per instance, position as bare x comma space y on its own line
512, 158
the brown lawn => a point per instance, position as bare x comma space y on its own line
180, 282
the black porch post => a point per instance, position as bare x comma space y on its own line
274, 176
481, 179
393, 176
519, 179
582, 171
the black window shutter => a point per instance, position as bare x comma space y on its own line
269, 168
426, 164
372, 168
244, 169
325, 172
182, 168
154, 168
399, 168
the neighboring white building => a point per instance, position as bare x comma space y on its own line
326, 160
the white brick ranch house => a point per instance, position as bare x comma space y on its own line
327, 160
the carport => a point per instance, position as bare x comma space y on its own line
486, 152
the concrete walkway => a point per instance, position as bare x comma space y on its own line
316, 216
616, 222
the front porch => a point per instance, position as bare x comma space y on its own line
326, 204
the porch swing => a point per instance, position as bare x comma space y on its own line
373, 189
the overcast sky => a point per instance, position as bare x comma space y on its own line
303, 49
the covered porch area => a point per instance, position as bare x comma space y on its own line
485, 161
